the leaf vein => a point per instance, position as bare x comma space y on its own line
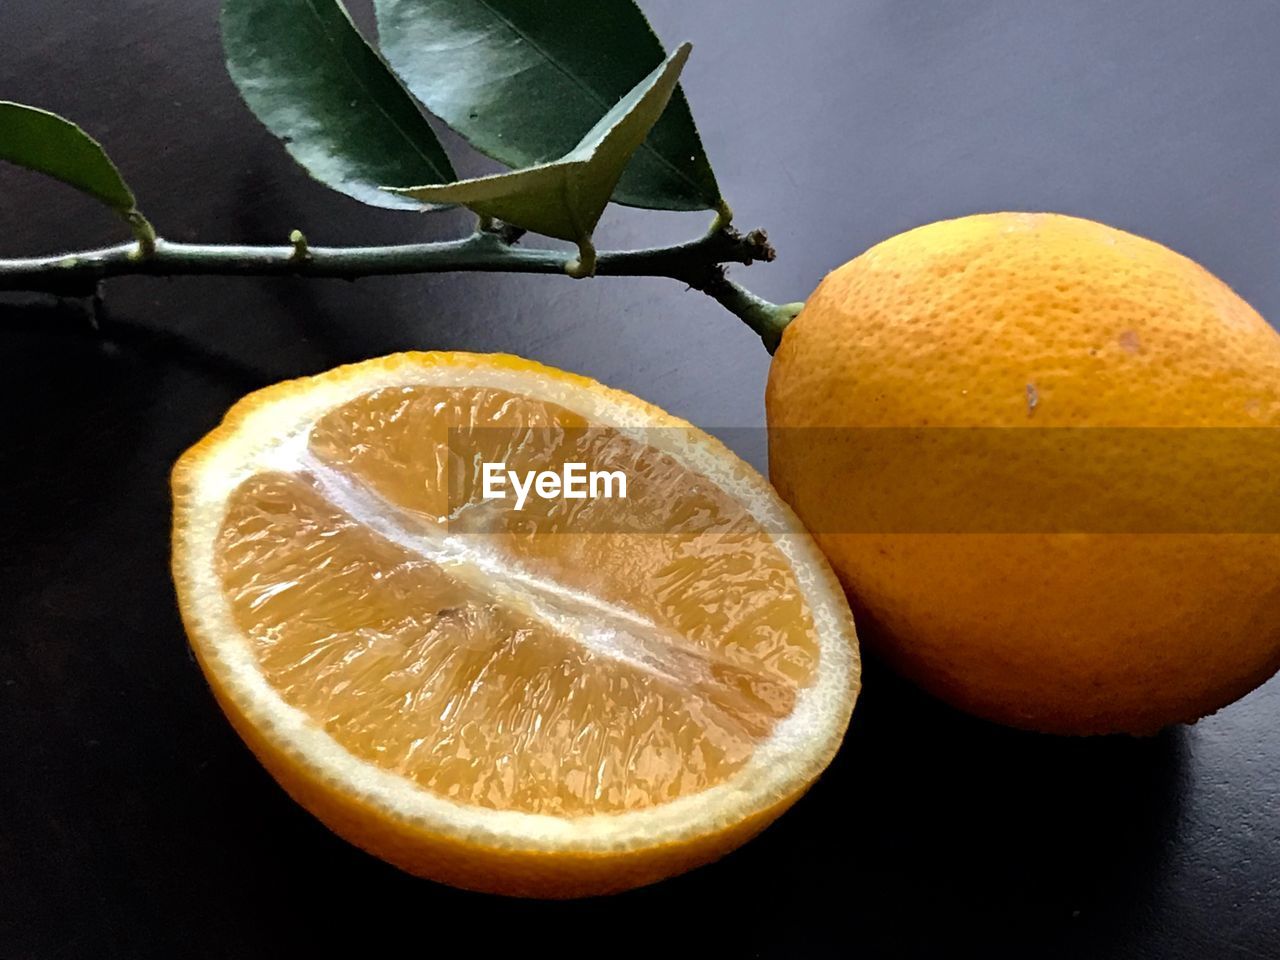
591, 92
336, 42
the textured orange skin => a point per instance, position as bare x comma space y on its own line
946, 325
440, 856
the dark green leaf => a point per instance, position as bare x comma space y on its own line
48, 144
523, 80
307, 73
566, 197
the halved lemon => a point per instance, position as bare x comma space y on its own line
575, 697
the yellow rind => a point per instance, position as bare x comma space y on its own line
1035, 321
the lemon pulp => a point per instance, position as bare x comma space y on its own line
571, 658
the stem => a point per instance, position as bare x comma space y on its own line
698, 263
764, 317
584, 264
143, 232
301, 249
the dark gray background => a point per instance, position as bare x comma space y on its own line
133, 823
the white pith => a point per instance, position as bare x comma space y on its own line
272, 435
604, 628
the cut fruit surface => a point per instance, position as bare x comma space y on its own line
577, 696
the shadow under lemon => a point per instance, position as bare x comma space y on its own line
930, 825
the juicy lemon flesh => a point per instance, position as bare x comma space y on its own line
575, 657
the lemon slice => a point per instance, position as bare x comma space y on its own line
578, 696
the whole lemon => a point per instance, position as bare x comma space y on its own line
926, 414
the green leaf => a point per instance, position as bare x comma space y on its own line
48, 144
523, 80
310, 77
565, 198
